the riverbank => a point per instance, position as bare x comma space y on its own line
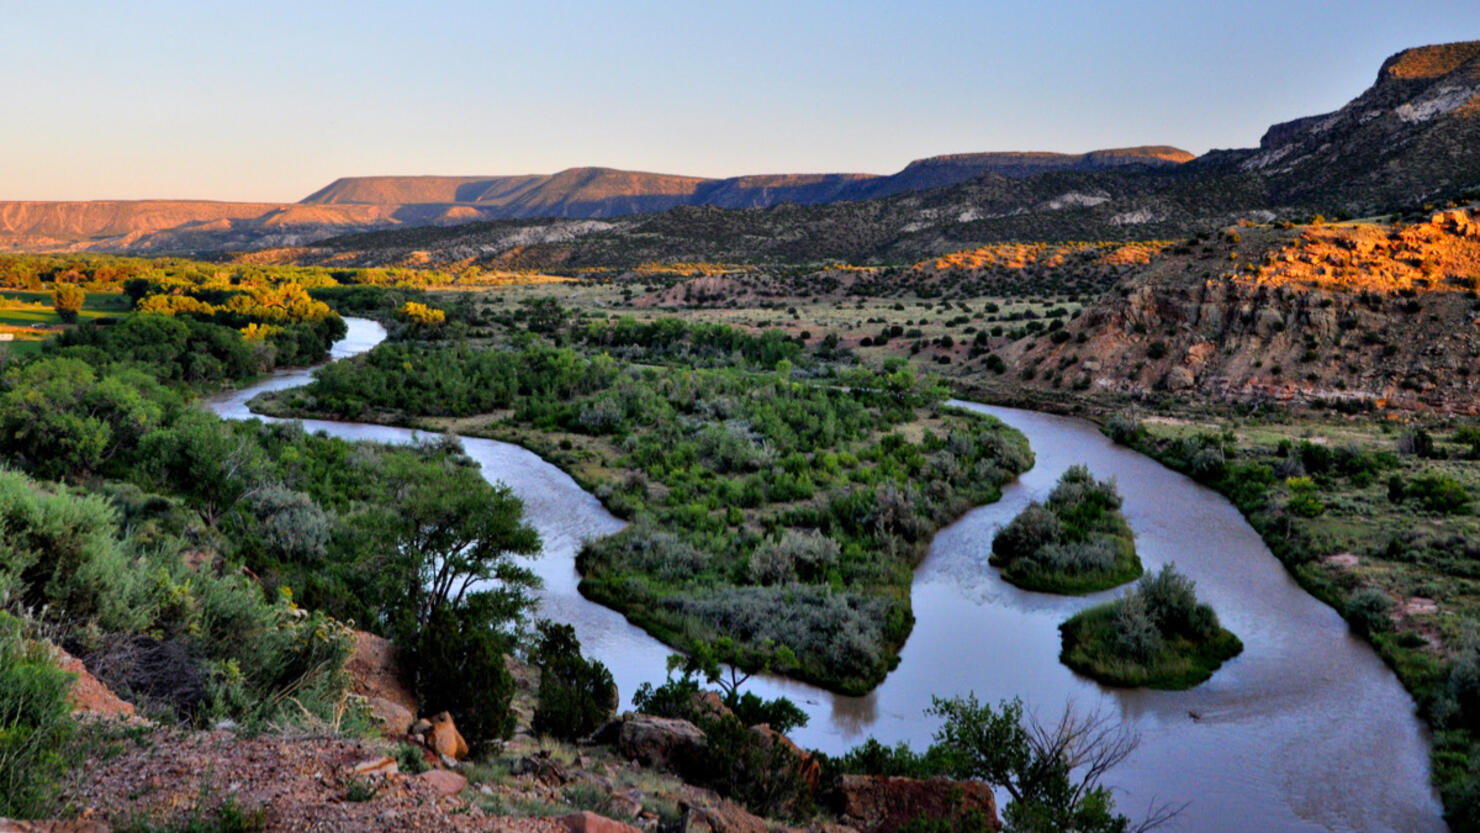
1373, 520
1302, 681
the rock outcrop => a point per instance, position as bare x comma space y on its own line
375, 675
660, 742
1347, 315
884, 804
89, 697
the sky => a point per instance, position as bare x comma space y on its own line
268, 101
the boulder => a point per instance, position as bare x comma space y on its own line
444, 781
883, 804
722, 818
542, 768
589, 822
375, 675
626, 804
1180, 378
651, 741
445, 738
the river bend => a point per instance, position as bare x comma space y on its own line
1307, 730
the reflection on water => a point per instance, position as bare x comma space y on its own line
1306, 730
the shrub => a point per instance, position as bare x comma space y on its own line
459, 668
843, 634
1136, 634
290, 525
35, 724
874, 758
1171, 602
1367, 611
676, 697
800, 554
1124, 429
1416, 443
1438, 493
1303, 500
576, 695
780, 714
748, 766
1032, 529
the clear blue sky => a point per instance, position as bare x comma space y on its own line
270, 100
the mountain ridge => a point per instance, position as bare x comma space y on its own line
1408, 139
597, 192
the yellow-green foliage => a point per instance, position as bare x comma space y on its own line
419, 313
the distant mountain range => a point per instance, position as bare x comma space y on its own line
605, 192
1414, 136
375, 202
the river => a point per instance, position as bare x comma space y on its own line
1307, 730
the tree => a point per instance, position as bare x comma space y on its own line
447, 582
577, 695
59, 419
67, 300
455, 536
206, 460
419, 313
719, 663
1053, 772
460, 669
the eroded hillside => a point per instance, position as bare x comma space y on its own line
1350, 313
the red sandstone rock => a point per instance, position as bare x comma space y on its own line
589, 822
883, 804
444, 781
445, 738
89, 697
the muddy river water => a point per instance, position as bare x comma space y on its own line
1307, 730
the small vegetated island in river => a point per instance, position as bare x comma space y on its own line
1157, 635
1076, 543
775, 498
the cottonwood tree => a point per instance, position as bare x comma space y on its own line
67, 299
455, 536
1053, 771
452, 585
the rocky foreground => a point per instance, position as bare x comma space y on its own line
143, 776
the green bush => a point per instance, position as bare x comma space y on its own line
1076, 543
576, 695
1156, 635
874, 758
1438, 493
1367, 611
1303, 498
35, 724
459, 668
1124, 429
748, 766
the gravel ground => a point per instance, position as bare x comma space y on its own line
168, 778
